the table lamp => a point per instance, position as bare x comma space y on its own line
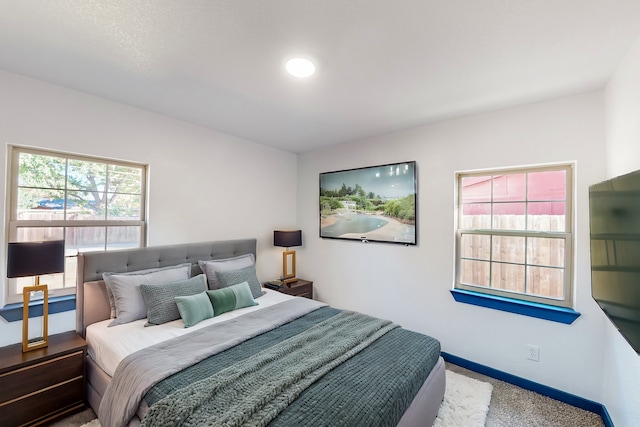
287, 239
35, 259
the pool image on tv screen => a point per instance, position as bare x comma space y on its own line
370, 204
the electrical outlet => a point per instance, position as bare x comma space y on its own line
533, 352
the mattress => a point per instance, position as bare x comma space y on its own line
108, 346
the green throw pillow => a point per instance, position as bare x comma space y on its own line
194, 308
231, 298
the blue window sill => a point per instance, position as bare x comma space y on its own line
13, 312
526, 308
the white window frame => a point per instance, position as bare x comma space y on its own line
13, 224
567, 236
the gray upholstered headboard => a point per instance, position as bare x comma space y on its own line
92, 302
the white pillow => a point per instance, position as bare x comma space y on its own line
210, 267
125, 289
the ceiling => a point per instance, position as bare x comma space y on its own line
382, 65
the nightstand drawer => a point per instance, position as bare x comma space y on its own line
29, 379
299, 289
57, 398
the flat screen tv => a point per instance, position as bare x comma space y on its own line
370, 204
614, 211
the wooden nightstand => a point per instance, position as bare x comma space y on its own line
41, 385
301, 288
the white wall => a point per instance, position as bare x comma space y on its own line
622, 364
623, 115
204, 185
411, 285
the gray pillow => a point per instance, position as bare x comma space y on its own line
246, 274
194, 308
125, 289
227, 264
161, 298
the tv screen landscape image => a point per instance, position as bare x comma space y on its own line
370, 204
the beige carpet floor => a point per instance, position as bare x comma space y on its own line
512, 406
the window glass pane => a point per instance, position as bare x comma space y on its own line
508, 277
17, 284
475, 189
476, 216
39, 234
70, 271
546, 216
85, 239
509, 188
124, 206
545, 251
476, 246
509, 216
40, 204
545, 282
53, 281
85, 205
87, 176
124, 179
475, 272
508, 249
549, 185
123, 237
40, 171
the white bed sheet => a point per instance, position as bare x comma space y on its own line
107, 346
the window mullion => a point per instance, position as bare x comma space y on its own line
66, 187
526, 263
493, 202
491, 261
526, 227
106, 200
80, 224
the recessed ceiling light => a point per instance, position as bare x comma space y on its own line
300, 67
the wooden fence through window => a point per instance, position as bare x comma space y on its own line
531, 265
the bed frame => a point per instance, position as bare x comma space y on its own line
92, 305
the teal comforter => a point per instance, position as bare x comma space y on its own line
326, 368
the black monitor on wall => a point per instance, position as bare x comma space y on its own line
614, 213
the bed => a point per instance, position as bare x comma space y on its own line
274, 360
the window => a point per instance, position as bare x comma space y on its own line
514, 234
93, 204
